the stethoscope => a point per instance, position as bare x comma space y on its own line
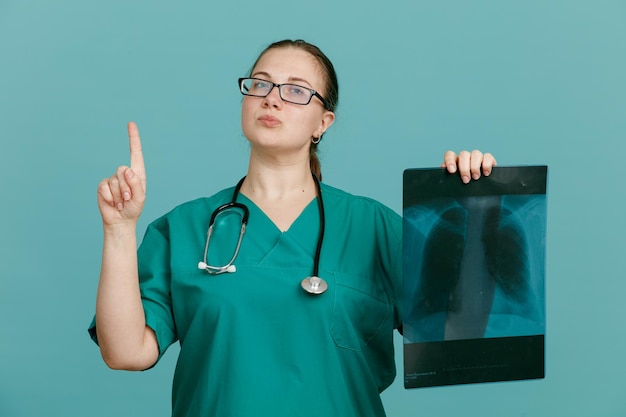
313, 284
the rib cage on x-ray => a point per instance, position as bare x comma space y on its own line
476, 278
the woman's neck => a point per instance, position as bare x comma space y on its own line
282, 192
276, 180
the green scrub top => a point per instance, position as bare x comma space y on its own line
253, 342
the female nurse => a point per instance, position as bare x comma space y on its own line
295, 316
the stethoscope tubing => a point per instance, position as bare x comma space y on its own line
313, 284
320, 238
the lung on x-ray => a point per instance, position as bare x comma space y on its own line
474, 276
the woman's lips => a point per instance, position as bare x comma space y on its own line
269, 121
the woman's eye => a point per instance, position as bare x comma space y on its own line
295, 90
259, 85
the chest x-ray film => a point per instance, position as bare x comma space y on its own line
474, 276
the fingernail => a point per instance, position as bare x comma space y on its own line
120, 206
476, 176
126, 196
129, 173
451, 168
465, 179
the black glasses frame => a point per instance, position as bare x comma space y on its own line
280, 92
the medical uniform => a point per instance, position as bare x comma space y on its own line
253, 342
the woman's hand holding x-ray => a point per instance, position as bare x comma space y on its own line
121, 197
470, 165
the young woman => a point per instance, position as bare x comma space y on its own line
295, 316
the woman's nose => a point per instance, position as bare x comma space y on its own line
273, 99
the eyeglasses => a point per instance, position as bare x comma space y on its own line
291, 93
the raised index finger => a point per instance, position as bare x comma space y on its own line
136, 155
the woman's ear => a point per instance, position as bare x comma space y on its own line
327, 120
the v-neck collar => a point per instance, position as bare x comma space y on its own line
308, 216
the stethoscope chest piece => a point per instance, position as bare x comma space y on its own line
314, 285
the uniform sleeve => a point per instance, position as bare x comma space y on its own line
394, 240
154, 281
390, 238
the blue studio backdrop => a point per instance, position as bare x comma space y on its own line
534, 82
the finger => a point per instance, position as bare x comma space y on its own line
136, 154
104, 193
138, 193
476, 161
464, 166
489, 161
114, 185
449, 161
125, 189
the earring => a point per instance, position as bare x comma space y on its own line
317, 140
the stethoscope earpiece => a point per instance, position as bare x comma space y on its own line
217, 270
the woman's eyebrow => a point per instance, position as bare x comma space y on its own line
290, 79
261, 73
298, 79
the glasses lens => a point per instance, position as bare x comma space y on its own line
295, 93
292, 93
255, 87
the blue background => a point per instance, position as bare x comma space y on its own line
534, 82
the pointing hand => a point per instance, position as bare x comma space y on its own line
121, 197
